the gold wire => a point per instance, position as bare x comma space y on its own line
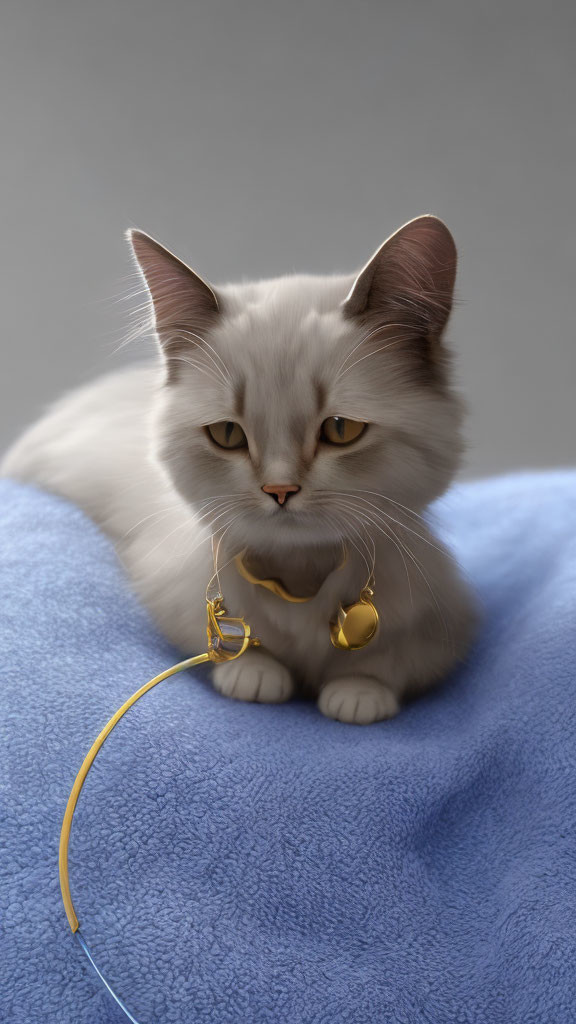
86, 766
110, 725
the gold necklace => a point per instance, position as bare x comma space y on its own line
272, 584
228, 637
355, 624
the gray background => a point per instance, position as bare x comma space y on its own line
256, 137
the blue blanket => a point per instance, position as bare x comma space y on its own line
240, 863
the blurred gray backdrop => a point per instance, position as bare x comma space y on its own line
257, 137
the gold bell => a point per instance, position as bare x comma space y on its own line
356, 624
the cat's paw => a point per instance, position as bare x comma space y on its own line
254, 676
359, 701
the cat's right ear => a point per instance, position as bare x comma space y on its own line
182, 302
409, 279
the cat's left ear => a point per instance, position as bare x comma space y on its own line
409, 279
182, 301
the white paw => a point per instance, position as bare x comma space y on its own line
253, 676
357, 700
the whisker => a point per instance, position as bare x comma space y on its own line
188, 523
170, 358
371, 568
345, 535
216, 556
399, 550
374, 352
223, 369
165, 511
381, 512
215, 559
413, 558
405, 508
364, 339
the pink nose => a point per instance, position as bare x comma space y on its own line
280, 492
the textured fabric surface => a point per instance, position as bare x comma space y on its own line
242, 863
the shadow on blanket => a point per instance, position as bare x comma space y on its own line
247, 863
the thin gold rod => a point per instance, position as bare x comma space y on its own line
86, 766
273, 585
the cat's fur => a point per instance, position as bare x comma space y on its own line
279, 356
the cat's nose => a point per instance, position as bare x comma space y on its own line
281, 492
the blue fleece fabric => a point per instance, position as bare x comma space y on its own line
240, 863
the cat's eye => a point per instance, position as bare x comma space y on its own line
227, 434
340, 430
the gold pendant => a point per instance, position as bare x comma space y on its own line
356, 623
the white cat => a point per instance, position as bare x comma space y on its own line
290, 418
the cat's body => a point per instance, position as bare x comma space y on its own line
280, 358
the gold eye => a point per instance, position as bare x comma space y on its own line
227, 434
339, 430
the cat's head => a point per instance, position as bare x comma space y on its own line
336, 388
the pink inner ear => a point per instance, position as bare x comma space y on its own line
179, 296
417, 266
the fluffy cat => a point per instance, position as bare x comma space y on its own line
289, 418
